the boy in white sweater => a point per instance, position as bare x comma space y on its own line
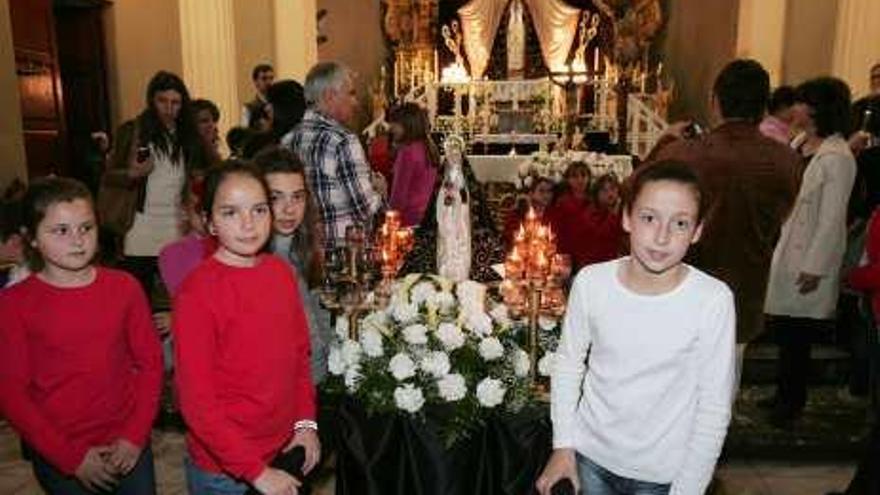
644, 375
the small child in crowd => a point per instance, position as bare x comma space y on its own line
13, 265
643, 378
416, 160
242, 349
80, 362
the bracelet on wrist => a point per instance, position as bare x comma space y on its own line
305, 424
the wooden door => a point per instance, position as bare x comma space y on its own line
39, 86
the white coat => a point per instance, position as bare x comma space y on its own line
813, 239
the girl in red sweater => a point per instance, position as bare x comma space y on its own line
566, 216
242, 349
80, 362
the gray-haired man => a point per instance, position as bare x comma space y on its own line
335, 162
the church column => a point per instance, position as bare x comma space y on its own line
207, 32
296, 33
761, 34
856, 42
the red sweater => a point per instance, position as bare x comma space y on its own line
79, 367
867, 278
241, 346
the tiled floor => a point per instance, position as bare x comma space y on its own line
738, 477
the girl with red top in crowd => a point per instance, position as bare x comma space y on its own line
415, 162
571, 206
539, 196
242, 349
80, 362
601, 236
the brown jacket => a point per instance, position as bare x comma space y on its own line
751, 182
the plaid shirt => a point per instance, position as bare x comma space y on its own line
338, 174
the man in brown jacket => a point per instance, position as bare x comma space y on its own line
751, 181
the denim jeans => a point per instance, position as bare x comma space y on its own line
140, 481
596, 480
201, 482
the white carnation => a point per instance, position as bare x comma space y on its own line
490, 392
377, 320
450, 336
402, 366
371, 342
436, 364
479, 323
501, 314
546, 364
342, 327
416, 334
351, 353
521, 362
409, 398
335, 363
421, 292
491, 349
442, 300
404, 313
547, 323
452, 387
353, 378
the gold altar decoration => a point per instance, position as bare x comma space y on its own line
534, 277
351, 270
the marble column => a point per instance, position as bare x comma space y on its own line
207, 33
856, 43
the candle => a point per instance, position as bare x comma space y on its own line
596, 60
436, 65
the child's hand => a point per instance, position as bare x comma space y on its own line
94, 473
308, 438
123, 456
276, 482
561, 465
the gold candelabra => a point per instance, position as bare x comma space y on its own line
534, 276
351, 270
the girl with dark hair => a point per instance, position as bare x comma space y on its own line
241, 349
154, 154
80, 363
206, 115
296, 231
572, 204
415, 162
804, 280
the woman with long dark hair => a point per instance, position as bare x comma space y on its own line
415, 162
153, 156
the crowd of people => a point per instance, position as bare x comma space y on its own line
716, 238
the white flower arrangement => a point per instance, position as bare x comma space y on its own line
437, 345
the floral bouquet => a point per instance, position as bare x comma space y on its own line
542, 165
435, 348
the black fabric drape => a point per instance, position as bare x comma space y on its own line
396, 455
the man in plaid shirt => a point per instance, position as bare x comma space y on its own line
335, 163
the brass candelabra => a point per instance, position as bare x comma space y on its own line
534, 277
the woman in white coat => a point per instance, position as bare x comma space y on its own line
804, 276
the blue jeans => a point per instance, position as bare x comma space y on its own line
201, 482
596, 480
140, 481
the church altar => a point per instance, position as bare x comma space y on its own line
510, 71
505, 168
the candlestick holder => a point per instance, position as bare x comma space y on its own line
534, 277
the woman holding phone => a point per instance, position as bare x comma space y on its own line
154, 154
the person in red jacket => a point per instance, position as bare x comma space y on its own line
242, 349
566, 215
80, 361
601, 230
866, 278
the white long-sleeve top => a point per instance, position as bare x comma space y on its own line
654, 400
